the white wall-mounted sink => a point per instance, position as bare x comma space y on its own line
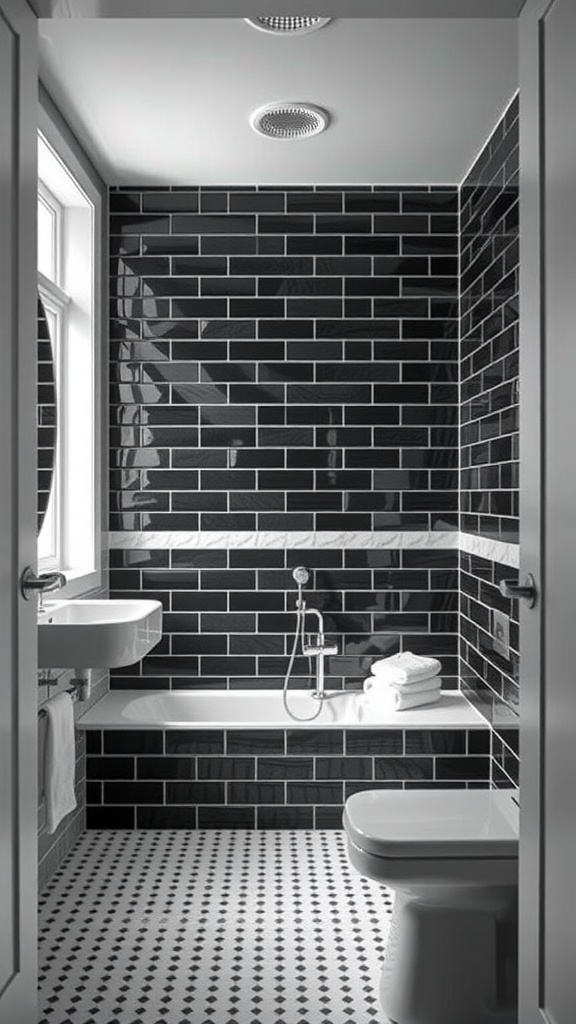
97, 634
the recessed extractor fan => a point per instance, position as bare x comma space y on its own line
287, 25
289, 120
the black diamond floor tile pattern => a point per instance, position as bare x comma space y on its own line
211, 927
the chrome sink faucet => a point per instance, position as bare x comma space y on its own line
314, 646
44, 583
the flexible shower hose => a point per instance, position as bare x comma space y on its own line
299, 624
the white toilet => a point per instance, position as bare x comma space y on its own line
452, 857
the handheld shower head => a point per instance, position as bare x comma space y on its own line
301, 575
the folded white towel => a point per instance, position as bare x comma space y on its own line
396, 700
59, 760
406, 668
380, 684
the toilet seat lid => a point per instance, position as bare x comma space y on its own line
425, 823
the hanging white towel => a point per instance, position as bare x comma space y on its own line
59, 760
406, 668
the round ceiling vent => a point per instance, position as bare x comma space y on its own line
287, 25
289, 120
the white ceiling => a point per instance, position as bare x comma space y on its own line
168, 101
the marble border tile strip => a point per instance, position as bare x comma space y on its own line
208, 539
497, 551
493, 550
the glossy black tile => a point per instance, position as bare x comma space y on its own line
479, 741
110, 768
166, 768
257, 741
343, 225
344, 266
314, 792
343, 768
195, 793
437, 741
110, 817
313, 245
226, 817
94, 792
133, 793
371, 245
310, 307
327, 741
289, 328
256, 793
122, 202
404, 768
170, 202
283, 768
463, 768
313, 202
372, 202
132, 741
209, 224
213, 202
226, 768
286, 225
166, 817
131, 223
369, 328
259, 202
430, 201
328, 817
285, 817
93, 741
272, 266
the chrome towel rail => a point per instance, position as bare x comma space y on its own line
42, 713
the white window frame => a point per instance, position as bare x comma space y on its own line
77, 294
47, 199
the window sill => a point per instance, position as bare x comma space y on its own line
79, 584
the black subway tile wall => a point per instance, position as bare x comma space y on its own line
285, 360
489, 337
207, 785
489, 431
284, 368
229, 615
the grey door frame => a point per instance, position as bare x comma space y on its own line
531, 431
18, 662
547, 508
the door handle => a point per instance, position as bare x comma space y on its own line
30, 583
526, 591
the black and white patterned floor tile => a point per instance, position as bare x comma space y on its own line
230, 927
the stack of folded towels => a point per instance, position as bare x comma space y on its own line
403, 681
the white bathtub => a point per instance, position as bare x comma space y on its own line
263, 709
